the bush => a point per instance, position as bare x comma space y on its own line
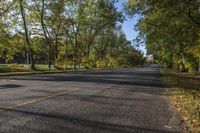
87, 63
101, 64
62, 64
13, 67
112, 63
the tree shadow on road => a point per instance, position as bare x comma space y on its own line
188, 84
91, 125
109, 101
140, 81
10, 86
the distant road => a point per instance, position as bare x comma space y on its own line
117, 101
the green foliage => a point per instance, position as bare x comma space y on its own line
170, 30
87, 63
101, 64
64, 33
12, 67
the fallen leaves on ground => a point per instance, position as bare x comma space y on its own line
185, 96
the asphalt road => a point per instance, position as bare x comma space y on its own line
116, 101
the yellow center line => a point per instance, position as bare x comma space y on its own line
37, 100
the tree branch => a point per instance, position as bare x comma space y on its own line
190, 15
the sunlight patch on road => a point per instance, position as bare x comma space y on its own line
7, 80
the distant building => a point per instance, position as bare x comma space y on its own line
150, 59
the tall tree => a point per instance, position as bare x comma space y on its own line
27, 37
169, 28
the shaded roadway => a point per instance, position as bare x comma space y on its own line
110, 101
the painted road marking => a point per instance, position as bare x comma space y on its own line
7, 80
37, 100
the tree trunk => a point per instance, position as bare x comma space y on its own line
32, 61
79, 65
47, 37
26, 34
75, 62
199, 66
181, 65
49, 59
75, 65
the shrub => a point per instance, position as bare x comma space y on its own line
13, 67
87, 63
101, 64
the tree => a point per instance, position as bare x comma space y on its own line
63, 32
168, 29
5, 6
27, 37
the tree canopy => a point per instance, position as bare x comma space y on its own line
171, 31
64, 32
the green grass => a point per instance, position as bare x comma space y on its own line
21, 69
185, 96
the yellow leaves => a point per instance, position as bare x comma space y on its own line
185, 118
186, 99
194, 50
194, 121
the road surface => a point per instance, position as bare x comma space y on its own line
110, 101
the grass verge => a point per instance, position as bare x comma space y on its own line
185, 97
20, 69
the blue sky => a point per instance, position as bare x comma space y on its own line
128, 25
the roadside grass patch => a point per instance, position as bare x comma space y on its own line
185, 97
5, 68
22, 69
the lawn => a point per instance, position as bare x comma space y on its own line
18, 69
185, 96
22, 67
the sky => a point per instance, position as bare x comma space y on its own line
128, 25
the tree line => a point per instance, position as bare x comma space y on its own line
64, 32
171, 31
